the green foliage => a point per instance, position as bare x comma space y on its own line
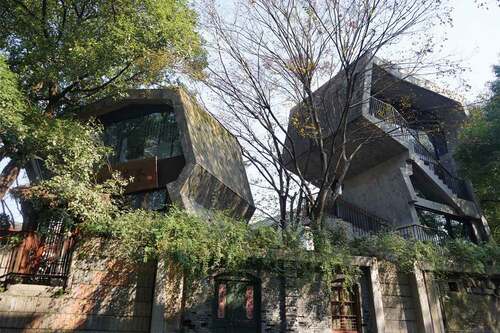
68, 53
203, 246
197, 245
70, 149
479, 154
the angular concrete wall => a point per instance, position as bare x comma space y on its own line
214, 176
383, 191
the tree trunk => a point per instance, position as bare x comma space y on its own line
8, 177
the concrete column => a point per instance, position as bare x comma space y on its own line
166, 312
421, 296
434, 302
378, 304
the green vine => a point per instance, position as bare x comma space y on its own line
203, 246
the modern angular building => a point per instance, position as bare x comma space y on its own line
404, 178
175, 151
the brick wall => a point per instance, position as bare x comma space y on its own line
103, 295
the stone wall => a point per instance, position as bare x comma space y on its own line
306, 306
400, 304
103, 295
470, 304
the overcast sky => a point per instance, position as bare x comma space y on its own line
475, 37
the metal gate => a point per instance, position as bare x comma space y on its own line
41, 257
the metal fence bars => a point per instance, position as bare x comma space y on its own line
38, 258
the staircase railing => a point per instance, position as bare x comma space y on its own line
388, 113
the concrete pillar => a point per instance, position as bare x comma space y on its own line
421, 297
434, 302
378, 304
166, 312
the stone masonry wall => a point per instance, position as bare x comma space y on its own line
307, 306
470, 304
103, 295
400, 304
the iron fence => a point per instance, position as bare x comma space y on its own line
422, 233
38, 258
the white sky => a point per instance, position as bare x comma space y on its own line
475, 38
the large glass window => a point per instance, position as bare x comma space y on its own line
150, 200
236, 308
155, 134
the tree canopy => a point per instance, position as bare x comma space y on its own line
479, 154
68, 53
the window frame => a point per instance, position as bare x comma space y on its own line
356, 303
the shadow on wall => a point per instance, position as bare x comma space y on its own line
471, 304
103, 294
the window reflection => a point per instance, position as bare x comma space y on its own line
155, 134
151, 200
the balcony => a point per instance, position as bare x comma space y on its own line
422, 233
433, 228
360, 222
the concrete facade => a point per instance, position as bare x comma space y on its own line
406, 163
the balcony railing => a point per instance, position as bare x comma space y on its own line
422, 233
421, 146
363, 223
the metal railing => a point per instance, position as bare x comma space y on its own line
422, 233
38, 258
456, 185
388, 113
363, 223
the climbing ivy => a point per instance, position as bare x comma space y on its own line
204, 246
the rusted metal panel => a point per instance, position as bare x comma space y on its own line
144, 173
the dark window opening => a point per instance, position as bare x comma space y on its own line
154, 134
237, 303
157, 200
346, 312
453, 285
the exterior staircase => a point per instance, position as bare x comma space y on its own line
455, 189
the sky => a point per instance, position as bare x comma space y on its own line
475, 38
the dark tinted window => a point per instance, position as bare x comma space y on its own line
154, 134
